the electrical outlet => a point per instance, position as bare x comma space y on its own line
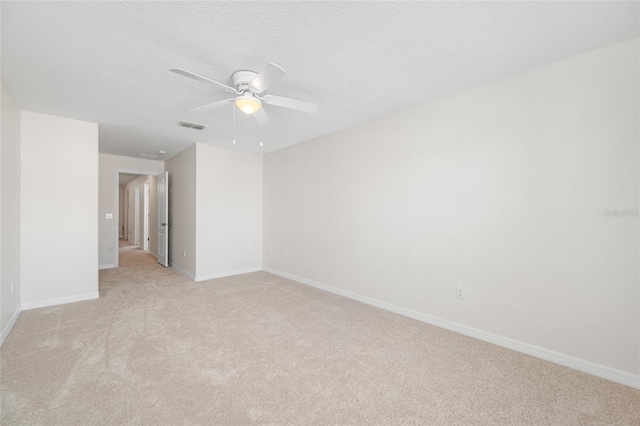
11, 288
459, 292
268, 253
184, 253
286, 257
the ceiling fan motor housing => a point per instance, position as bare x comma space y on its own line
242, 80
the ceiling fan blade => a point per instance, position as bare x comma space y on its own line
203, 79
213, 105
261, 117
267, 77
280, 101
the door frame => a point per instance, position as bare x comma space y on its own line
117, 206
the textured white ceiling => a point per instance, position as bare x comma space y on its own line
108, 62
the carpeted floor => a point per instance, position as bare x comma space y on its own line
158, 349
131, 255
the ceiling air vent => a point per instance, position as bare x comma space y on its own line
148, 155
191, 125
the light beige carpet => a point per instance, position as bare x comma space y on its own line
132, 255
158, 349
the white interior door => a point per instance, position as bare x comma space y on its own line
125, 203
130, 214
136, 206
145, 217
163, 219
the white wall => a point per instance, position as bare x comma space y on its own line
108, 229
501, 190
9, 212
59, 202
215, 211
182, 211
229, 212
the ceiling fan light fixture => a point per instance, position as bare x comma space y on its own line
248, 104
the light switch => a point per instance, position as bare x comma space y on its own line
109, 215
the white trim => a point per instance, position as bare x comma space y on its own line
227, 274
107, 266
60, 301
182, 272
9, 326
618, 376
199, 278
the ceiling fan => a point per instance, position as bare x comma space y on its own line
248, 89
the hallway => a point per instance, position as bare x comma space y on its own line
132, 255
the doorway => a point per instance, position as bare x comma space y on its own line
136, 204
